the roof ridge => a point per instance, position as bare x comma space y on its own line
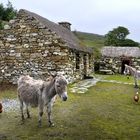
66, 35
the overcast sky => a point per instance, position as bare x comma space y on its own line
93, 16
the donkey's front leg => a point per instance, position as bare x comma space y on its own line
49, 110
27, 111
136, 85
41, 106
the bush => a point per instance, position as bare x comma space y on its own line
129, 42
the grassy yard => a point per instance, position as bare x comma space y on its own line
105, 111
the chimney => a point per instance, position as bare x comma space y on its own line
65, 25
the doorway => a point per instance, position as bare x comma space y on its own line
124, 61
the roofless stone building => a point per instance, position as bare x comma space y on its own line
31, 44
115, 58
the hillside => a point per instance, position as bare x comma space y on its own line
92, 40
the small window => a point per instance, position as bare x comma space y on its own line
77, 61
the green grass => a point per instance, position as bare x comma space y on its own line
121, 78
105, 111
8, 93
118, 77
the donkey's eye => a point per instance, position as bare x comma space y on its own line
58, 86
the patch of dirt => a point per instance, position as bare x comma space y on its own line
3, 137
56, 134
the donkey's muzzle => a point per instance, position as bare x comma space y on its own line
65, 98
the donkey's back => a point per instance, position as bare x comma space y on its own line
28, 90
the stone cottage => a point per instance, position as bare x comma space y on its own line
114, 58
31, 44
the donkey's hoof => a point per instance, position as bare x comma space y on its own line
28, 117
51, 124
39, 124
22, 118
21, 122
136, 87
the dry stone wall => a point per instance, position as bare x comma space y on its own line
115, 63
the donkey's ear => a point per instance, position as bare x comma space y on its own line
53, 74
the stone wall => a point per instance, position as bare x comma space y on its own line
115, 63
28, 47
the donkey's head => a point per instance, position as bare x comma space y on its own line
61, 87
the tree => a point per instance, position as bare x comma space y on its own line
117, 37
6, 13
1, 15
1, 11
9, 12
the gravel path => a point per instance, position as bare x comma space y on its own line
10, 105
82, 86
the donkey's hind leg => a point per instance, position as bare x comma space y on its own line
41, 107
21, 109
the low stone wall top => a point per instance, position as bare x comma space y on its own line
111, 51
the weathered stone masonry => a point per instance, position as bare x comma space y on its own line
29, 47
114, 58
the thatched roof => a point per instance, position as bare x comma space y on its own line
66, 35
120, 51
